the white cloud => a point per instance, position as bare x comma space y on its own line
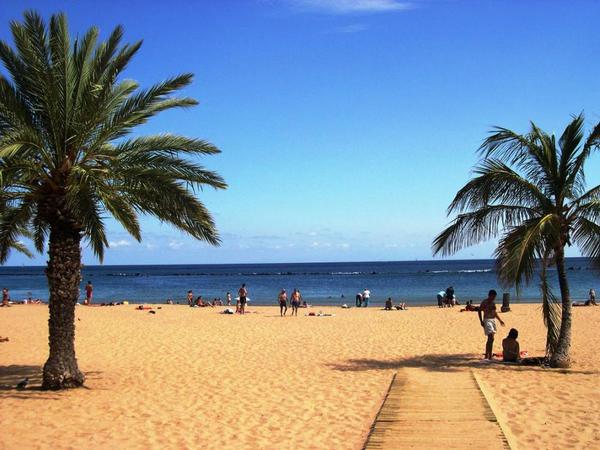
354, 28
352, 6
175, 245
120, 243
344, 245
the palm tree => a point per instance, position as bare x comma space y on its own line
67, 162
529, 191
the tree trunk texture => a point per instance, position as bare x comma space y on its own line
64, 276
561, 358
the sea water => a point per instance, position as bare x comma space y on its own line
320, 283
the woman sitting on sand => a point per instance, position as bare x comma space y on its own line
511, 351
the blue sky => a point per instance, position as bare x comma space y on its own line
346, 126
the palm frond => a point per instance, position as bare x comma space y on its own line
586, 234
65, 111
496, 182
479, 226
521, 246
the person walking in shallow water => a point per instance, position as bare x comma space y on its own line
282, 302
487, 318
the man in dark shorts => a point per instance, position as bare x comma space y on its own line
450, 296
243, 293
282, 302
487, 318
296, 299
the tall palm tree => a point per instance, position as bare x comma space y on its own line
529, 191
67, 162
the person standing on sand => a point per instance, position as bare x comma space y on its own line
359, 299
228, 297
296, 299
89, 292
190, 298
487, 309
366, 295
450, 296
282, 302
243, 293
5, 297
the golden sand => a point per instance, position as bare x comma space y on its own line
194, 378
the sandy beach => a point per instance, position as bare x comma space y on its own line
193, 378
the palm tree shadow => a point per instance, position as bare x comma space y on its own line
443, 363
10, 376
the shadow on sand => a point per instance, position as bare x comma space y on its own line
10, 376
444, 363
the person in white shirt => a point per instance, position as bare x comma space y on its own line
441, 297
365, 297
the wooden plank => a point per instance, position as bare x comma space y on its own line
428, 409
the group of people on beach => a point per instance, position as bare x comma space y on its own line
362, 298
296, 302
447, 298
6, 301
199, 302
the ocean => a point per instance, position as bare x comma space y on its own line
320, 283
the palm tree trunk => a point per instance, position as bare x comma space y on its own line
64, 276
561, 358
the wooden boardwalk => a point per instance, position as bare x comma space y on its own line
425, 409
